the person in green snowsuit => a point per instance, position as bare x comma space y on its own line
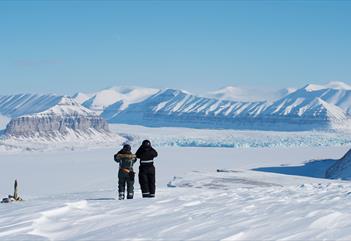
126, 160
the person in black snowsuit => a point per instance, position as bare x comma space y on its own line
126, 175
146, 154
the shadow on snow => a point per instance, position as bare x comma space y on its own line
315, 168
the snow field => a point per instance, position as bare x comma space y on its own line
200, 206
70, 196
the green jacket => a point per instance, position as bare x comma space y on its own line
125, 159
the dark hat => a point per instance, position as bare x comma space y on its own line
146, 143
127, 147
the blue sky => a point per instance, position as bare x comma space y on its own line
66, 46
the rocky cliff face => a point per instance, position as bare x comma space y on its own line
66, 116
31, 125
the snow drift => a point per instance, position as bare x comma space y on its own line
342, 168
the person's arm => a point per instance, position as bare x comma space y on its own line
135, 159
115, 157
155, 154
138, 153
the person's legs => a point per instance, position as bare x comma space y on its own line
130, 188
143, 180
151, 181
121, 185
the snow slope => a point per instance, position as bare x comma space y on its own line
334, 93
4, 120
22, 104
81, 97
126, 95
172, 107
65, 106
235, 93
203, 205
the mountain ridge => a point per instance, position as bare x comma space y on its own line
310, 107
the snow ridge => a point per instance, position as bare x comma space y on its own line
127, 95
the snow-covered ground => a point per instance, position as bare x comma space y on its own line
70, 196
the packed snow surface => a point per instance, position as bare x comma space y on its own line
73, 199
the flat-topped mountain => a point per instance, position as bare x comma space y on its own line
64, 117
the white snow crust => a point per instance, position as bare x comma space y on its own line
71, 196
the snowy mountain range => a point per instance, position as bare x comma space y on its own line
310, 107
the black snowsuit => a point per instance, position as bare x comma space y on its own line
147, 170
126, 174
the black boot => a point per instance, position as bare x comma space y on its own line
121, 196
146, 195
